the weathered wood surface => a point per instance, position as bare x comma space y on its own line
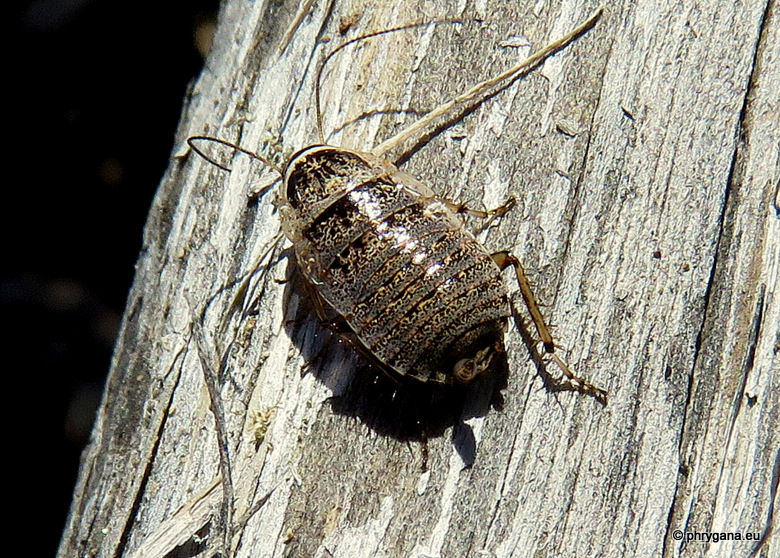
645, 162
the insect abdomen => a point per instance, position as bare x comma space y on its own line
416, 288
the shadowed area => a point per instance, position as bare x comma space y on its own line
402, 408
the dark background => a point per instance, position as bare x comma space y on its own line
96, 88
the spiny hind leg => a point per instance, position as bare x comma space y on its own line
505, 259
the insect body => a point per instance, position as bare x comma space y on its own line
418, 291
414, 290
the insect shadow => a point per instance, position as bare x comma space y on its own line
401, 408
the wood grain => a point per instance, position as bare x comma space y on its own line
645, 161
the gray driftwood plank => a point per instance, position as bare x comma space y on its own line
645, 160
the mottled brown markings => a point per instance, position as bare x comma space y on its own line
379, 265
489, 314
411, 307
321, 174
367, 200
350, 217
377, 270
434, 314
409, 286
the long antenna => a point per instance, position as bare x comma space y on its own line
332, 53
191, 142
481, 91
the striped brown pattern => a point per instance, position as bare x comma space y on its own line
412, 283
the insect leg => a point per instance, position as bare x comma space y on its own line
462, 209
505, 259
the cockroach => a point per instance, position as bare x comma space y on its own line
410, 286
